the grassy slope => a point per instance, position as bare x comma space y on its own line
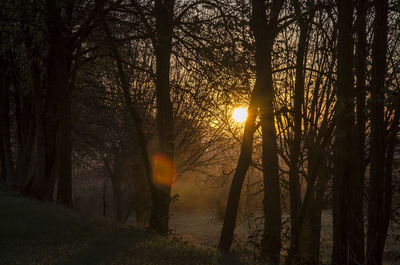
33, 232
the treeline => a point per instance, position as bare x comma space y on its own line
144, 90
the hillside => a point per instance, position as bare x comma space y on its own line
33, 232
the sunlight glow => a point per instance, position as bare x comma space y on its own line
239, 114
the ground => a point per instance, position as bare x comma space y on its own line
33, 232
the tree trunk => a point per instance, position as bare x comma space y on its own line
64, 145
3, 179
264, 34
309, 234
356, 195
389, 158
246, 150
28, 117
294, 188
104, 195
134, 114
311, 210
117, 195
57, 78
164, 15
64, 137
272, 209
345, 168
24, 156
114, 173
5, 121
36, 156
258, 27
376, 235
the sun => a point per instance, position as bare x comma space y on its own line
239, 114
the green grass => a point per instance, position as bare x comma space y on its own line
33, 232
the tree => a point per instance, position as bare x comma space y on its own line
162, 44
295, 198
262, 96
379, 186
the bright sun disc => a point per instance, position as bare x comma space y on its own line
239, 114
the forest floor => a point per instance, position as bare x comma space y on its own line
33, 232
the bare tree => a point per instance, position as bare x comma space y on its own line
378, 196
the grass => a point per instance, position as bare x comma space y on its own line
33, 232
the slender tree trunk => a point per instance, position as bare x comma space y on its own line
141, 200
117, 192
259, 26
104, 197
376, 236
390, 145
134, 114
64, 144
64, 137
294, 188
27, 120
311, 210
345, 168
36, 156
114, 173
246, 150
356, 195
27, 143
2, 165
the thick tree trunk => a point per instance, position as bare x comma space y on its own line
164, 14
57, 78
309, 234
272, 207
376, 235
265, 34
345, 167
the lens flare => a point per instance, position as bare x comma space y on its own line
164, 170
239, 114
